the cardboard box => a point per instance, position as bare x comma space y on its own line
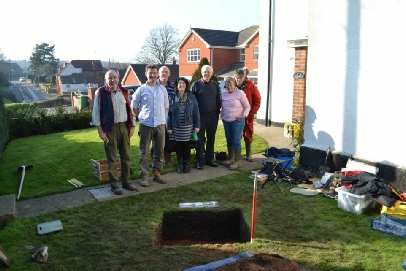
100, 169
356, 204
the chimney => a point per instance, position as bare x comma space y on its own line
173, 61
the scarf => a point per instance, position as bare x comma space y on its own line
182, 100
242, 86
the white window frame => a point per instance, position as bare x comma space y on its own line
193, 55
254, 79
256, 52
242, 55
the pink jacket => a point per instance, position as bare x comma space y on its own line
234, 105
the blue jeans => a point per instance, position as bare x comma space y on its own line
233, 131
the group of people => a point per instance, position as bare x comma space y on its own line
171, 114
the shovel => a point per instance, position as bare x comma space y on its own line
324, 168
22, 178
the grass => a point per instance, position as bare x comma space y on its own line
59, 157
119, 234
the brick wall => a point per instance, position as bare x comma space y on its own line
249, 62
131, 79
222, 58
299, 87
193, 42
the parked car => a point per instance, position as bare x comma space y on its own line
222, 85
22, 79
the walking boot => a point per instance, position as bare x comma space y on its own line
144, 181
158, 177
248, 152
168, 159
237, 159
230, 160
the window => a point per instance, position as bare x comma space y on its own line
254, 80
193, 55
256, 51
242, 55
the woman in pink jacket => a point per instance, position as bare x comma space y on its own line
234, 109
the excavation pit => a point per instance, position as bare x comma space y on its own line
202, 227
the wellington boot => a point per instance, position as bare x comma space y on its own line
237, 159
186, 165
180, 164
230, 160
248, 152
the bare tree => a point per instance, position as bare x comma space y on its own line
160, 46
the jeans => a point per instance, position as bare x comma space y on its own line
233, 131
148, 134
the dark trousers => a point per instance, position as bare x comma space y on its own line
183, 151
208, 128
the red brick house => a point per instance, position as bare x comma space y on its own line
225, 50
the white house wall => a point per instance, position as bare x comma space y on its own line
289, 20
355, 90
74, 88
70, 69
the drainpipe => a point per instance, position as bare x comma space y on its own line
211, 58
270, 70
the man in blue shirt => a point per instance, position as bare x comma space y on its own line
163, 80
150, 104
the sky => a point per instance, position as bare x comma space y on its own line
99, 29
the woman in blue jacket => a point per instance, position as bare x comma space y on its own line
183, 120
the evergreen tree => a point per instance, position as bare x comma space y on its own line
198, 74
43, 61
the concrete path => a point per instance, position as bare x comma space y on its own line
33, 207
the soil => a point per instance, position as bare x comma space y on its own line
262, 262
203, 227
217, 227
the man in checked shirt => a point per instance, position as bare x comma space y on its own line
113, 116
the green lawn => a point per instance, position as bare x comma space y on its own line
120, 234
59, 157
